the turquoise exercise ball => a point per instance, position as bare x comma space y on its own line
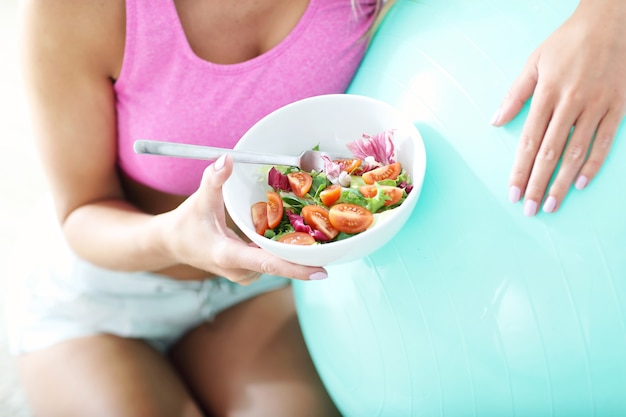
474, 309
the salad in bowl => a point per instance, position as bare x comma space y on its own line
341, 200
348, 209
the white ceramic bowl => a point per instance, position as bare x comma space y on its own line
329, 121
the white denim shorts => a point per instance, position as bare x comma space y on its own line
55, 296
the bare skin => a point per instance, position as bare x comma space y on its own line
217, 369
576, 80
252, 360
73, 105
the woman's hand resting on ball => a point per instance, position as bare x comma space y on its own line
577, 80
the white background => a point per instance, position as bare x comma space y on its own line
21, 182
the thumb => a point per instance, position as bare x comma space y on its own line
216, 174
213, 178
521, 90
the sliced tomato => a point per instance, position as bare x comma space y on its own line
275, 209
330, 194
386, 172
259, 217
297, 238
350, 218
300, 182
394, 193
317, 218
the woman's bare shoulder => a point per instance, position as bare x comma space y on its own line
76, 29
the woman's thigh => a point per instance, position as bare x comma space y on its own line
103, 376
252, 361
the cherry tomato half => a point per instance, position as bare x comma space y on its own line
300, 182
275, 209
350, 218
317, 218
386, 172
259, 217
330, 194
297, 238
394, 193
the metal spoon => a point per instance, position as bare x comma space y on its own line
306, 161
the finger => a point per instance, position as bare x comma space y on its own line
572, 160
600, 148
528, 146
213, 178
521, 90
239, 276
258, 260
210, 191
248, 278
546, 160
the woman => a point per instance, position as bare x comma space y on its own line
98, 335
95, 333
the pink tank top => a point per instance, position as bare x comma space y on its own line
166, 92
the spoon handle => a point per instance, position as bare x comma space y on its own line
181, 150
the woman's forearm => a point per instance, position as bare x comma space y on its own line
113, 234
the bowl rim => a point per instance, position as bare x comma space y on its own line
331, 249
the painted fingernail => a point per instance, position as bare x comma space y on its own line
316, 276
581, 182
219, 163
549, 205
514, 194
495, 117
530, 208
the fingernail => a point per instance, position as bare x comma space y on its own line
549, 205
219, 163
530, 208
514, 194
581, 182
316, 276
495, 117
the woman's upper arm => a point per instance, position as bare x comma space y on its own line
69, 58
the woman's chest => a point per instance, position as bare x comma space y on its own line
168, 91
229, 32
